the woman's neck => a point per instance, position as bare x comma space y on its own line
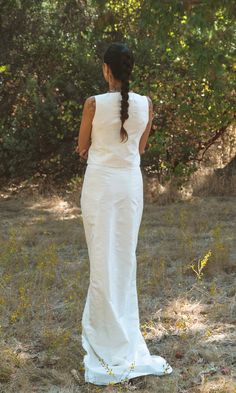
114, 86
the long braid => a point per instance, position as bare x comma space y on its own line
120, 59
126, 71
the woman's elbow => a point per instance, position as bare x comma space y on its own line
141, 151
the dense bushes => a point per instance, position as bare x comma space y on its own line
51, 55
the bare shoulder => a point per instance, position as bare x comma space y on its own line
150, 102
90, 104
150, 107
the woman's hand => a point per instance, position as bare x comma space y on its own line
83, 153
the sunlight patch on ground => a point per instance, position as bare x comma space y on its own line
56, 206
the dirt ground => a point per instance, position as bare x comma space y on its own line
186, 275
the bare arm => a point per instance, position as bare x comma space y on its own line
84, 137
144, 137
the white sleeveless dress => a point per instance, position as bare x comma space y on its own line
112, 205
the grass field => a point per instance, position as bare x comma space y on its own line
186, 278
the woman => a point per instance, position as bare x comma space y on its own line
114, 131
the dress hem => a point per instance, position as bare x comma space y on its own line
109, 380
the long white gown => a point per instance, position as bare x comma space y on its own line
112, 205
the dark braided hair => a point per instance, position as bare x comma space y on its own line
121, 61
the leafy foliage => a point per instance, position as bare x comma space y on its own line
51, 54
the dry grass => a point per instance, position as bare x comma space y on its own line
186, 286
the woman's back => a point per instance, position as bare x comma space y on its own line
106, 148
